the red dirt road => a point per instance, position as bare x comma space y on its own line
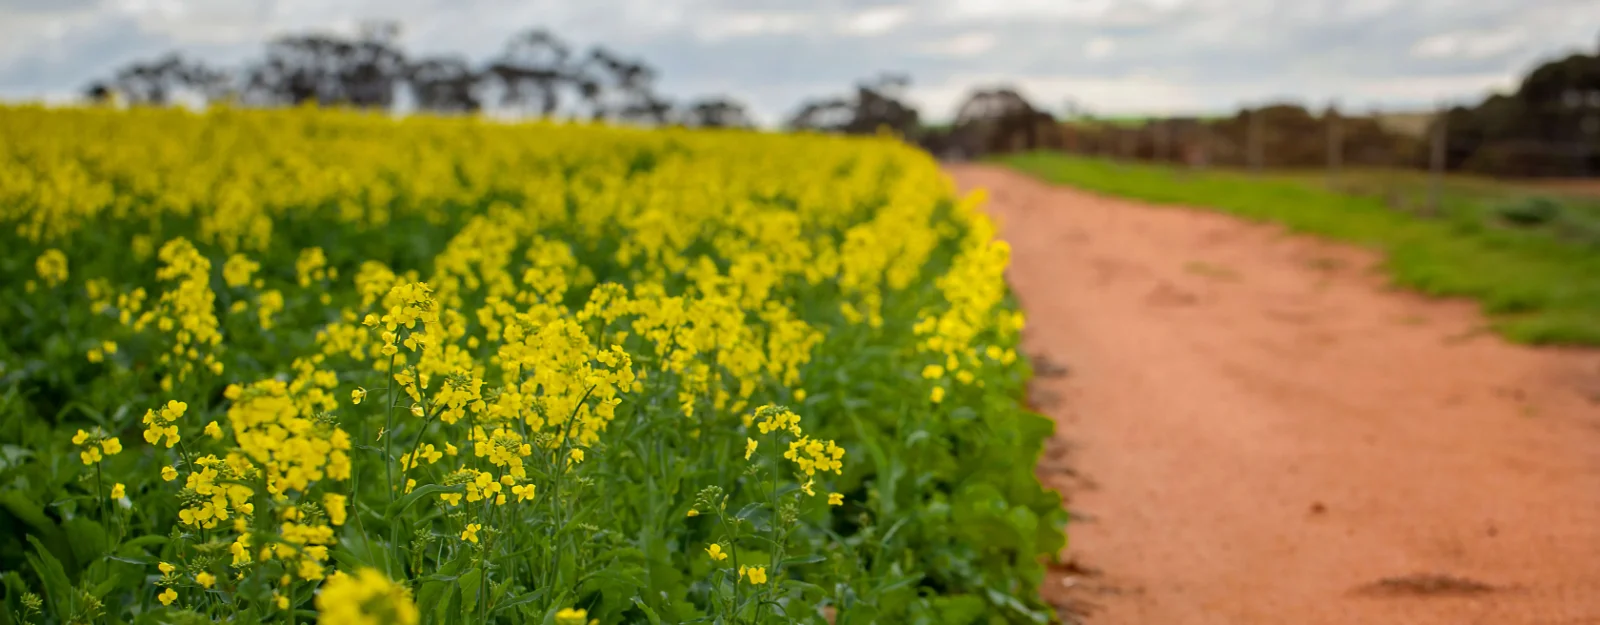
1255, 429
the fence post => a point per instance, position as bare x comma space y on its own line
1253, 140
1161, 139
1440, 137
1335, 144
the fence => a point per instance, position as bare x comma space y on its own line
1557, 141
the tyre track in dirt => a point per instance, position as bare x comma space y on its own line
1254, 428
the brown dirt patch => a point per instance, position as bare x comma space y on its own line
1257, 426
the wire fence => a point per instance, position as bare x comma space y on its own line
1558, 141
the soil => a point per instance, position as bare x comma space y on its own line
1253, 427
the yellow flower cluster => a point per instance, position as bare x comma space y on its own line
293, 448
809, 455
164, 423
186, 312
96, 445
52, 267
365, 598
213, 492
974, 287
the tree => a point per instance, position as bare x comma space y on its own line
444, 84
878, 103
616, 88
998, 120
363, 72
1549, 127
714, 112
532, 71
160, 81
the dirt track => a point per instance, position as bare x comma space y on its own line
1255, 429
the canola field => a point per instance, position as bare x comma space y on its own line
306, 365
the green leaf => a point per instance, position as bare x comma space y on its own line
1007, 601
806, 588
148, 540
648, 613
57, 586
449, 611
797, 560
435, 586
404, 503
519, 600
40, 525
469, 583
88, 539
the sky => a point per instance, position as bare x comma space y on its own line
1110, 57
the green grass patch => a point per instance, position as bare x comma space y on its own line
1533, 262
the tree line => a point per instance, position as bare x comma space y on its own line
1549, 126
534, 73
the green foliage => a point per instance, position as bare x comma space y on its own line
1529, 211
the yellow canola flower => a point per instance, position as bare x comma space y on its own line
715, 551
364, 598
572, 616
755, 574
52, 267
334, 504
168, 596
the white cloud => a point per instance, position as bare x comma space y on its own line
1468, 44
1136, 94
1099, 47
720, 27
1434, 89
1075, 10
875, 21
963, 45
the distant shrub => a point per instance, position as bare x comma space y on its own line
1529, 211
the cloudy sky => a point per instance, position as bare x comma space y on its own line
1111, 56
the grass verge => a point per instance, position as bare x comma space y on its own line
1537, 277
